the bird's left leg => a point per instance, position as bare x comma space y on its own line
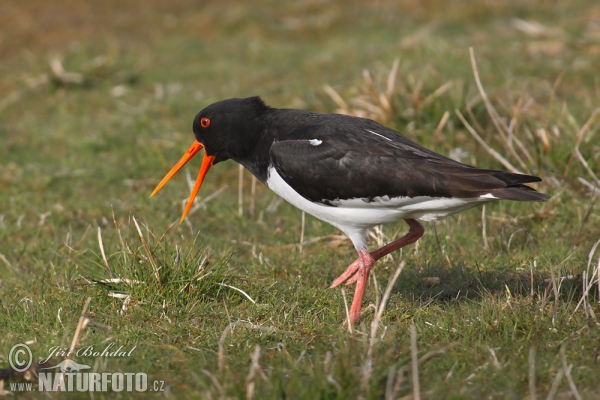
362, 276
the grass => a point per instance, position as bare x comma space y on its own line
96, 103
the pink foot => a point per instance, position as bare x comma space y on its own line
349, 273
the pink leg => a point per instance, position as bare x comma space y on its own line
361, 284
359, 270
414, 233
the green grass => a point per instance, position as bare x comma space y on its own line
79, 158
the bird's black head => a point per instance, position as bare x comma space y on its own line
229, 128
226, 129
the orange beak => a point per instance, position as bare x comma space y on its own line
206, 164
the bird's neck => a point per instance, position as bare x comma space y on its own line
254, 153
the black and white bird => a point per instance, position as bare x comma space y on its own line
350, 172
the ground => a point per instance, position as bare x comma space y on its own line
96, 104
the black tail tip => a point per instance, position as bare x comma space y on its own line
520, 193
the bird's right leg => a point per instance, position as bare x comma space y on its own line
347, 274
350, 275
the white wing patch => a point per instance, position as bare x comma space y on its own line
378, 134
488, 196
315, 142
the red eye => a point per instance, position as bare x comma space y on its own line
204, 122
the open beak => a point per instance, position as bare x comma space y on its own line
206, 164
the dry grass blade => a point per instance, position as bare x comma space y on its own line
494, 358
372, 103
103, 254
119, 280
555, 290
589, 282
437, 93
368, 365
555, 383
116, 224
567, 370
254, 371
585, 165
376, 287
3, 258
532, 388
81, 324
414, 363
535, 28
126, 300
440, 126
389, 384
482, 142
239, 290
591, 188
221, 353
13, 97
202, 203
586, 217
59, 73
501, 127
586, 127
369, 85
348, 323
337, 99
423, 359
384, 300
588, 124
148, 253
214, 381
391, 82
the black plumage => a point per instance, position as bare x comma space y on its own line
351, 162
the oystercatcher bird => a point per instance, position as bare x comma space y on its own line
350, 172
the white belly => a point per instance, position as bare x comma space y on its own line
355, 216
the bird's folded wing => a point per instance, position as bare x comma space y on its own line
332, 166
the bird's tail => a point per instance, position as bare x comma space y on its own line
519, 193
